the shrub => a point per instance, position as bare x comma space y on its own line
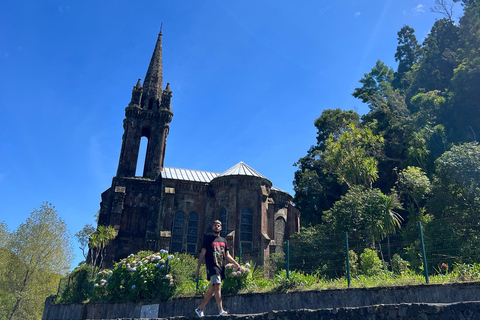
399, 266
467, 272
79, 287
274, 263
370, 264
353, 260
235, 279
141, 276
297, 279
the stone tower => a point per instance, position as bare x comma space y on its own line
132, 204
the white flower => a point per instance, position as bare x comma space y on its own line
144, 269
247, 265
170, 257
157, 258
110, 272
133, 269
96, 285
139, 263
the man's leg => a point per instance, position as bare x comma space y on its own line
218, 295
207, 297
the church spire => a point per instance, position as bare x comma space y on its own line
153, 83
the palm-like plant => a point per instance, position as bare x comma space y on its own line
390, 219
98, 241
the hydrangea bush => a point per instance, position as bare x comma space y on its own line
142, 276
235, 279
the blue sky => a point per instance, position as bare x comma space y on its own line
248, 79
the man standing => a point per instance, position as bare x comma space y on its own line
215, 252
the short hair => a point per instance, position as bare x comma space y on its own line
217, 221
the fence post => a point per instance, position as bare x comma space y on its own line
425, 267
348, 259
288, 259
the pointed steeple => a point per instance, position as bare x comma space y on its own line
153, 83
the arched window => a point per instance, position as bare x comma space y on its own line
223, 217
142, 153
192, 233
246, 228
177, 231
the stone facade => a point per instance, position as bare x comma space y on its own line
172, 209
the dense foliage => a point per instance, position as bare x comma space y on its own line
161, 275
34, 258
412, 158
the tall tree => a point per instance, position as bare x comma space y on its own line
352, 157
455, 204
408, 53
315, 189
376, 85
40, 252
83, 237
462, 123
435, 70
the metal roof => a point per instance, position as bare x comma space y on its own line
187, 174
242, 169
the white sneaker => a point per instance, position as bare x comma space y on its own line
199, 312
223, 313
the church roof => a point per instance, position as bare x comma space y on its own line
240, 169
187, 174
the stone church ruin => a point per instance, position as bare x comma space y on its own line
170, 208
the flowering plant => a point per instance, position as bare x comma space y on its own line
141, 276
235, 279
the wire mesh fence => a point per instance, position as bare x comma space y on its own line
447, 243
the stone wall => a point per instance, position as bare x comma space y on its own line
423, 301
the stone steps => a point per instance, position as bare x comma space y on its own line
424, 311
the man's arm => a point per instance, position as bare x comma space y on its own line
230, 259
200, 261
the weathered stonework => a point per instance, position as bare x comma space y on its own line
172, 209
433, 301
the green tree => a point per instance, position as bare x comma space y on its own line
40, 251
413, 186
455, 204
315, 189
83, 237
5, 295
462, 123
314, 249
376, 86
352, 157
435, 70
364, 210
408, 53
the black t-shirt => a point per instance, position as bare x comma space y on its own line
216, 247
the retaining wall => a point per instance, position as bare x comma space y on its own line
340, 300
